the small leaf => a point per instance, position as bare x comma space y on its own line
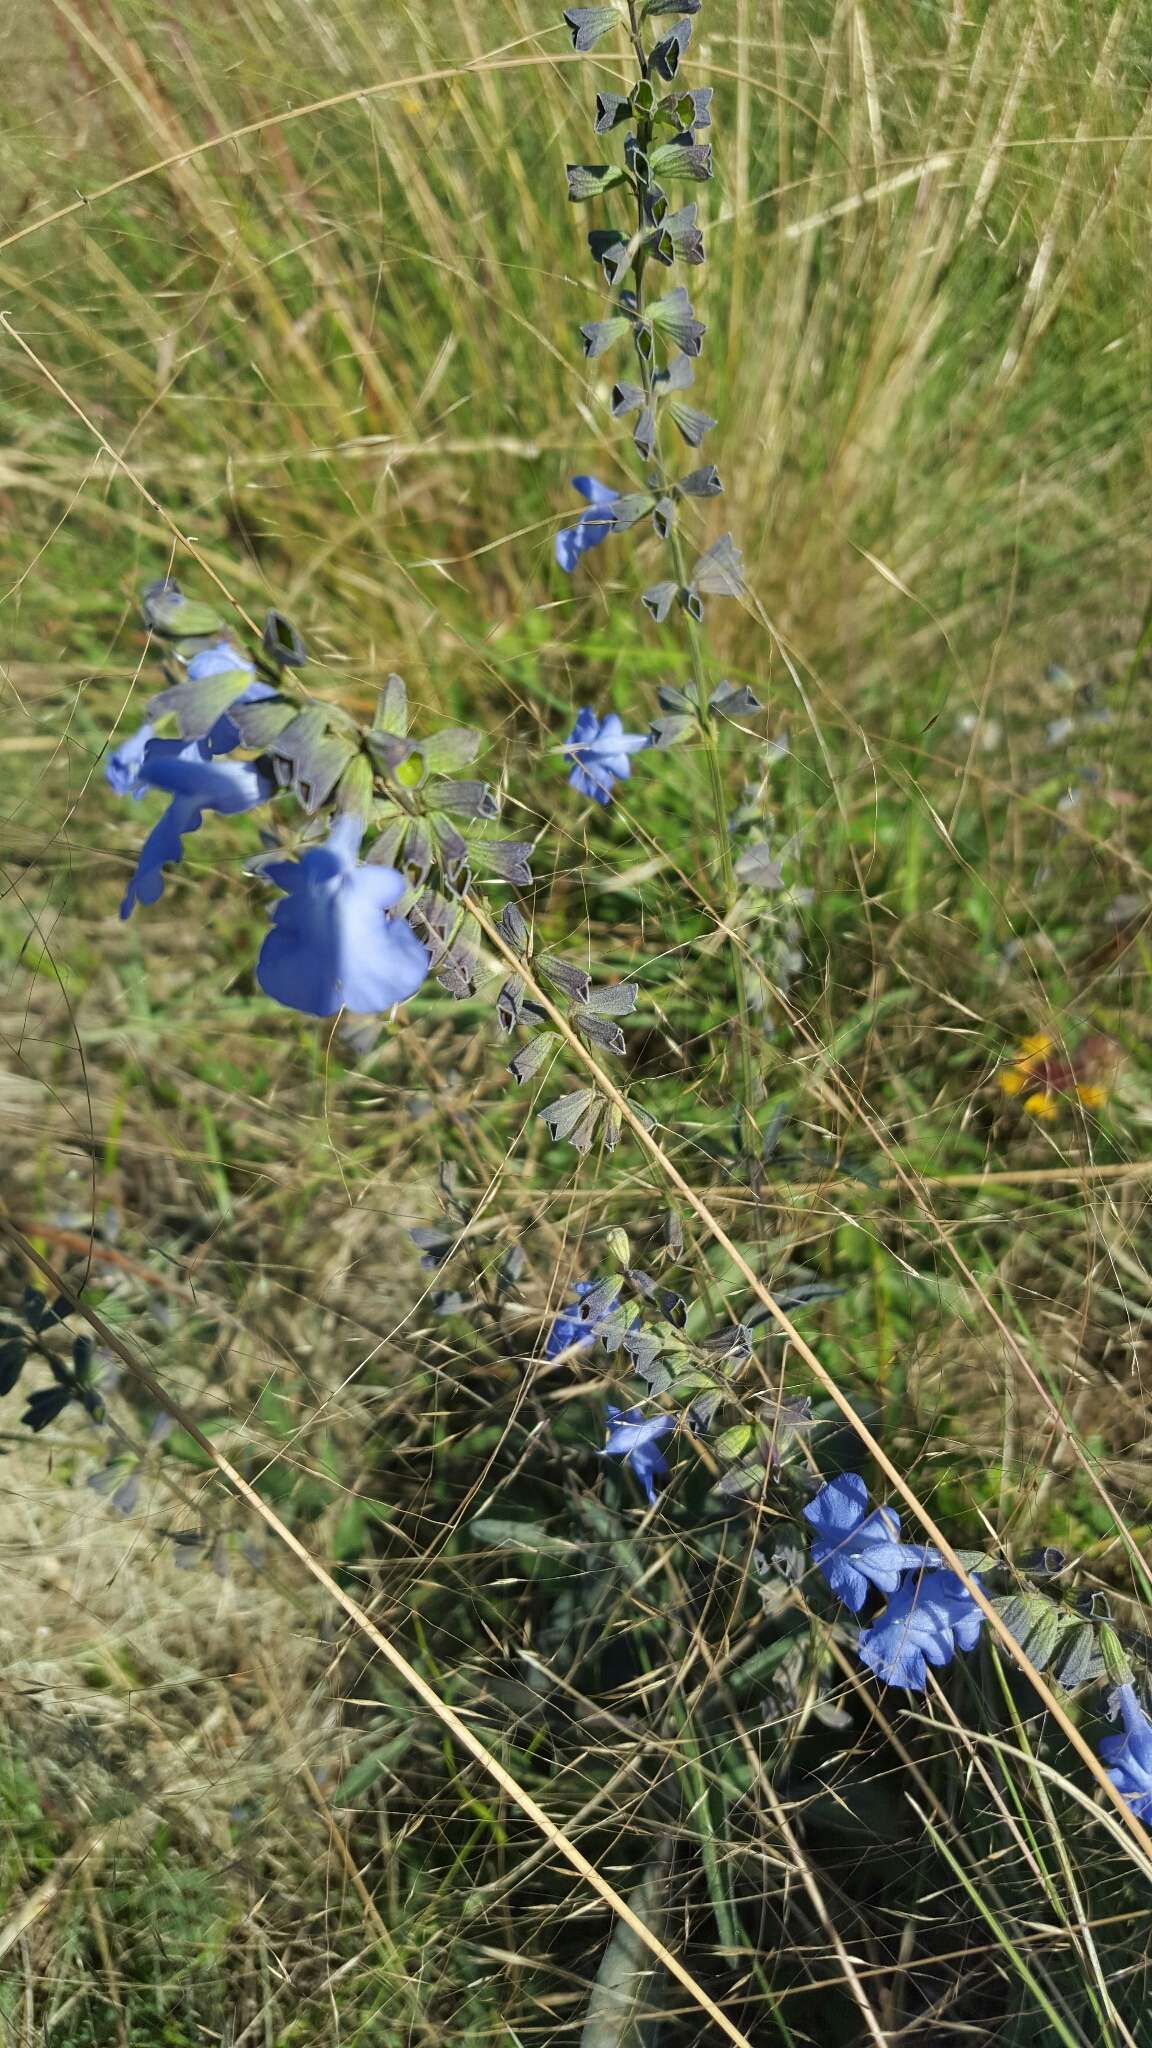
167, 611
531, 1058
734, 700
464, 799
509, 858
509, 1003
611, 108
669, 732
495, 1533
1081, 1663
684, 237
659, 599
599, 335
197, 706
627, 510
588, 24
354, 789
316, 755
720, 571
44, 1407
691, 108
610, 251
455, 747
13, 1356
392, 707
690, 423
575, 982
599, 1031
617, 1000
282, 643
758, 869
260, 724
701, 483
672, 316
591, 181
585, 1130
733, 1443
666, 54
563, 1115
683, 157
627, 1986
513, 927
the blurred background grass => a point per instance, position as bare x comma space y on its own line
338, 347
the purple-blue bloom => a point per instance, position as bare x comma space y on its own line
598, 749
1129, 1756
570, 1327
855, 1548
332, 945
592, 526
928, 1618
635, 1438
197, 781
122, 768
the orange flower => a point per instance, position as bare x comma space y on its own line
1042, 1074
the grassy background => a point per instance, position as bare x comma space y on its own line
338, 351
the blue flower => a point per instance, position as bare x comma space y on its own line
592, 526
1129, 1756
570, 1327
122, 768
855, 1548
332, 945
598, 749
928, 1618
635, 1438
197, 781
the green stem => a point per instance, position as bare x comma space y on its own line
707, 724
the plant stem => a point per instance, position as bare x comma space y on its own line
707, 724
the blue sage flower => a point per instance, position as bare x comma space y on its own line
570, 1327
856, 1548
929, 1617
1129, 1756
122, 768
197, 780
333, 945
593, 525
635, 1438
598, 749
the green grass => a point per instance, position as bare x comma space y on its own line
339, 352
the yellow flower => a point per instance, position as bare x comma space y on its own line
1035, 1047
1091, 1094
1011, 1080
1042, 1104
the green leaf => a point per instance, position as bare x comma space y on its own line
197, 706
531, 1058
261, 723
316, 754
166, 610
497, 1534
354, 789
563, 1115
392, 707
454, 748
623, 2008
590, 181
732, 1443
